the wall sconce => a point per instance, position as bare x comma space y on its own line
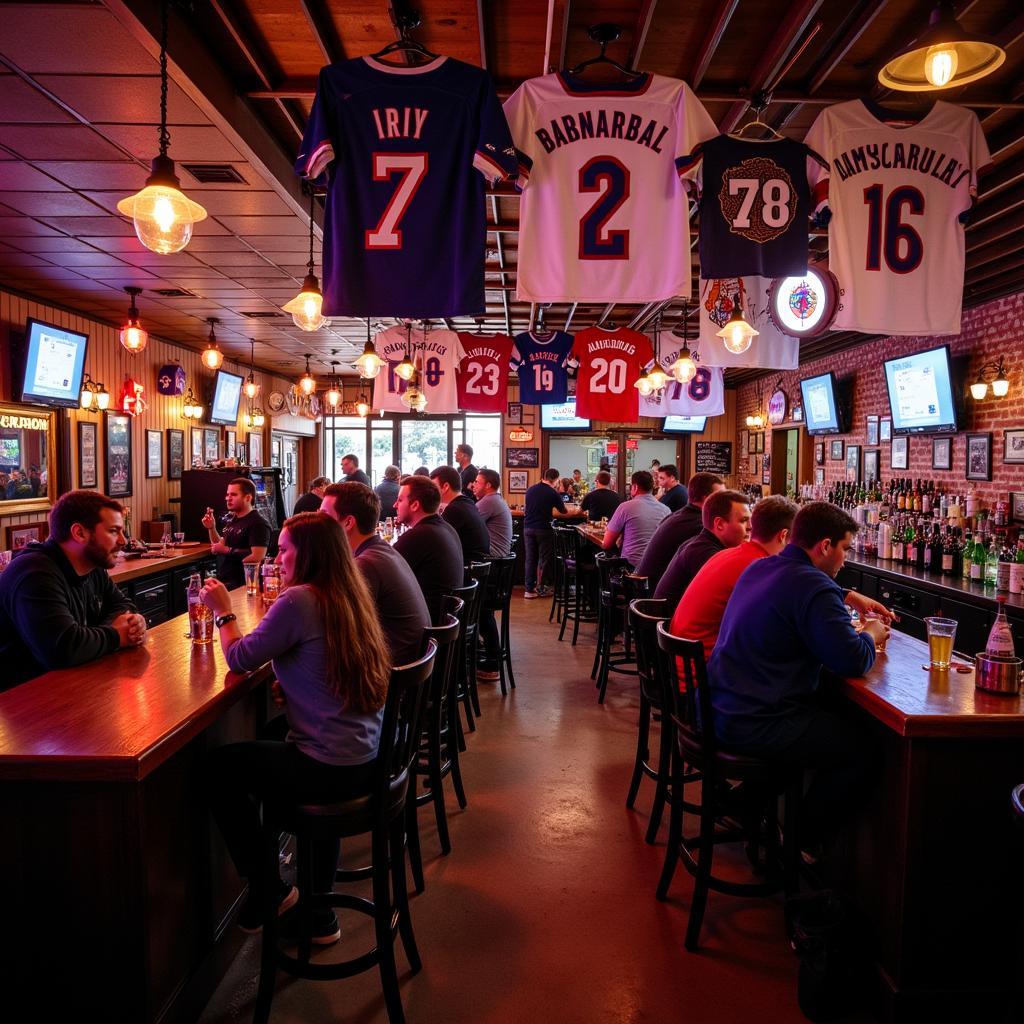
994, 373
191, 409
94, 394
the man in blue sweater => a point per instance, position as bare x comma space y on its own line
785, 621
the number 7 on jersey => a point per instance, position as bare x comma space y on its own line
412, 168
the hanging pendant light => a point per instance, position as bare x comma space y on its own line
406, 369
132, 336
369, 363
212, 356
362, 406
307, 382
333, 394
307, 307
944, 56
162, 214
644, 386
684, 369
737, 334
251, 388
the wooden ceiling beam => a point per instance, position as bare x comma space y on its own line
1005, 137
556, 36
642, 25
998, 206
712, 39
835, 54
501, 264
324, 32
980, 237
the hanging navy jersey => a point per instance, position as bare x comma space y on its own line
399, 149
755, 204
543, 377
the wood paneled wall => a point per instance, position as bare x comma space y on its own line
107, 361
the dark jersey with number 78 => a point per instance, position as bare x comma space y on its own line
399, 149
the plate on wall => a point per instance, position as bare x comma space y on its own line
275, 401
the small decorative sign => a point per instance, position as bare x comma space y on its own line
714, 457
632, 444
520, 434
778, 404
522, 458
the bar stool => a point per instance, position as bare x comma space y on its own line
608, 568
381, 813
439, 745
578, 586
479, 571
621, 589
498, 598
468, 617
558, 555
696, 746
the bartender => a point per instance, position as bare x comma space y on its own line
245, 533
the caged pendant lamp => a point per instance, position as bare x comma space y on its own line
162, 214
132, 335
369, 363
212, 356
251, 388
307, 307
737, 334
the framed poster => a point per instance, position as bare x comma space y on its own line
713, 457
1017, 507
885, 429
118, 445
979, 456
836, 451
87, 444
255, 449
514, 416
819, 476
744, 441
853, 462
24, 533
175, 453
229, 444
517, 481
1013, 446
871, 430
766, 469
240, 452
197, 446
942, 453
752, 466
899, 452
211, 444
798, 413
154, 454
522, 458
819, 453
760, 442
873, 465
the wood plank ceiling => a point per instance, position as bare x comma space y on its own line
79, 106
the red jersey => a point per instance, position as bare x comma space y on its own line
609, 364
483, 372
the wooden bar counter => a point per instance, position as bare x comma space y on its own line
121, 884
930, 860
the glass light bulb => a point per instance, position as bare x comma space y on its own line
307, 309
421, 402
369, 363
212, 357
736, 339
252, 389
940, 65
405, 369
307, 385
684, 369
86, 399
362, 406
102, 400
644, 386
657, 376
333, 397
163, 217
979, 389
1000, 387
134, 338
259, 419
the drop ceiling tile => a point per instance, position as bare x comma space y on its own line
273, 244
18, 227
256, 227
43, 142
22, 177
96, 174
189, 143
122, 99
260, 270
93, 226
21, 259
20, 103
193, 276
91, 258
126, 246
46, 205
156, 261
118, 277
250, 202
217, 243
230, 261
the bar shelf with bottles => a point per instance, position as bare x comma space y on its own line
928, 548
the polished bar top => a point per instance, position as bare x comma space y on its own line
133, 568
918, 702
120, 717
954, 587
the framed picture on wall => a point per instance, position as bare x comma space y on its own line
1017, 506
118, 445
885, 429
942, 453
872, 465
517, 481
853, 462
24, 533
1013, 446
979, 456
154, 454
211, 444
514, 416
766, 470
760, 442
819, 476
836, 451
196, 448
87, 447
819, 453
240, 453
871, 430
899, 452
752, 467
229, 444
175, 453
255, 445
520, 458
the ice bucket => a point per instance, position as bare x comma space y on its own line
996, 674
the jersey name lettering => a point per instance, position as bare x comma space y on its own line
912, 157
608, 125
395, 123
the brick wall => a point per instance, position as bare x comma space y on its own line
989, 331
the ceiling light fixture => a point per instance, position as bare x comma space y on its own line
362, 406
369, 363
162, 214
307, 382
132, 336
333, 395
212, 356
944, 56
684, 369
307, 307
406, 369
737, 334
251, 388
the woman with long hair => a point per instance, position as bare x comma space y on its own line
325, 644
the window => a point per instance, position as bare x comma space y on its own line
424, 443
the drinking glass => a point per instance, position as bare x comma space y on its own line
251, 583
179, 539
200, 621
165, 542
941, 634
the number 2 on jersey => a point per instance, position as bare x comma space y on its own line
886, 230
606, 176
412, 167
608, 375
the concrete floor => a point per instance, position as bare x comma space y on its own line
545, 909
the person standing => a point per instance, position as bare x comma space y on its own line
602, 501
460, 513
387, 492
353, 474
634, 522
430, 546
310, 501
578, 484
678, 528
58, 605
494, 511
467, 471
541, 504
673, 493
401, 607
726, 518
245, 537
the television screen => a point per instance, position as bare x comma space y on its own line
227, 391
921, 394
821, 409
54, 364
562, 417
685, 424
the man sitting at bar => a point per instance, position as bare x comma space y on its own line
678, 528
430, 546
310, 501
494, 511
602, 501
401, 607
635, 521
673, 494
784, 622
699, 613
246, 533
726, 519
58, 605
460, 513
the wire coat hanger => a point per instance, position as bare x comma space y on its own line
758, 102
603, 34
405, 20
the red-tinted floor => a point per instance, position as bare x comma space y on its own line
545, 909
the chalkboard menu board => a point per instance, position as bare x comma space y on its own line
714, 457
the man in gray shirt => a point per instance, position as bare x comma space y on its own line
635, 521
496, 515
401, 606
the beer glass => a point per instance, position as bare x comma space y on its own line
941, 634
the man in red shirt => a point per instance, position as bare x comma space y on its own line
698, 615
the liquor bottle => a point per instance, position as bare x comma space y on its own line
909, 545
948, 554
965, 556
898, 549
991, 563
928, 549
1000, 638
1017, 569
978, 560
999, 512
901, 499
1005, 561
926, 500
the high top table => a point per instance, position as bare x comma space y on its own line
119, 882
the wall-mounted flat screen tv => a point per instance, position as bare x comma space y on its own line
54, 365
821, 404
685, 424
921, 392
227, 392
562, 417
